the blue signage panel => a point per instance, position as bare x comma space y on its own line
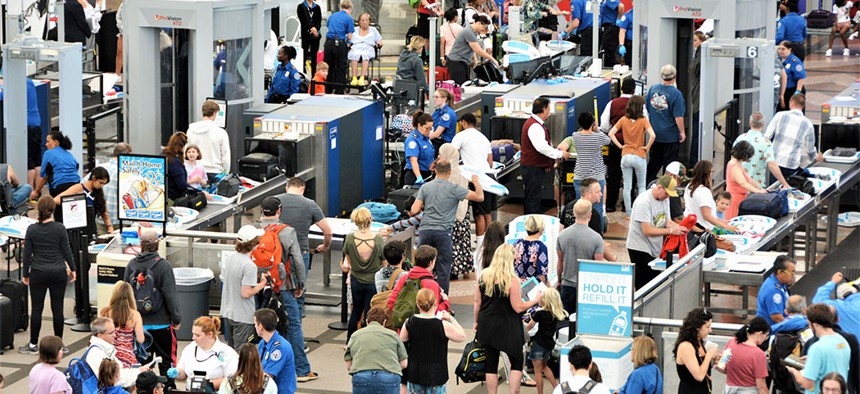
604, 298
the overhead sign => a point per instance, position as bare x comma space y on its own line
142, 188
604, 298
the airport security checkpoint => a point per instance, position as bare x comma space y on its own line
331, 196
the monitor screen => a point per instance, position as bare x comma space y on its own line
522, 71
221, 116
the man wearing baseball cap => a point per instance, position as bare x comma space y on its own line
649, 221
666, 109
150, 383
679, 172
241, 284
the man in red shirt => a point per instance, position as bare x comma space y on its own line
538, 155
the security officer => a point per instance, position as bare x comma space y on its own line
581, 22
419, 150
275, 352
444, 118
610, 11
340, 29
287, 79
792, 28
794, 71
625, 37
774, 291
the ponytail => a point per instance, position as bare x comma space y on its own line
420, 117
758, 324
64, 140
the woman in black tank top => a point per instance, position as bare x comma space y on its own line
692, 359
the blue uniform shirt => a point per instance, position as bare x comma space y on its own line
447, 118
286, 81
609, 11
33, 117
62, 164
772, 298
791, 27
794, 70
278, 361
665, 103
626, 22
417, 145
579, 10
339, 25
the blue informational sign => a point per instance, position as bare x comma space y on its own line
142, 190
604, 298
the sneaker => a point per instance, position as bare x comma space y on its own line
354, 81
846, 52
828, 53
853, 36
28, 349
307, 378
362, 82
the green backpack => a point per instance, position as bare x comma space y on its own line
405, 305
415, 3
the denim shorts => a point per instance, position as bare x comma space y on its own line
539, 353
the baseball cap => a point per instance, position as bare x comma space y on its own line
844, 290
148, 236
673, 168
148, 381
669, 183
248, 232
270, 205
667, 72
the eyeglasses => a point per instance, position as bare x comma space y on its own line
789, 272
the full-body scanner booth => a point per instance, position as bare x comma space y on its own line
663, 34
184, 52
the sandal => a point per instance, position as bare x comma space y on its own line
528, 382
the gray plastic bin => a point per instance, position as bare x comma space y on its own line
192, 288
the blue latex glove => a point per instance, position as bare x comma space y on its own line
172, 373
564, 35
419, 181
622, 50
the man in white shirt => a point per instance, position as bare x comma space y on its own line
580, 362
537, 155
213, 141
476, 152
102, 347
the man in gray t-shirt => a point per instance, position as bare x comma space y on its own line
240, 285
577, 242
650, 221
439, 199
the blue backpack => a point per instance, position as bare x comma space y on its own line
81, 377
381, 212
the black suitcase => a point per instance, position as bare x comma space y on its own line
765, 204
398, 198
258, 166
488, 72
7, 330
820, 19
17, 292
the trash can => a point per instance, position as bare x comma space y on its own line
192, 287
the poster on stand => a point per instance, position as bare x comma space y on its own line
604, 298
142, 188
74, 210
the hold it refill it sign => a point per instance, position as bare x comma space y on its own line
604, 298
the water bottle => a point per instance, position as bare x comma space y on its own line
724, 359
619, 325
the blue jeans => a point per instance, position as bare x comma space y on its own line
361, 295
21, 194
301, 300
375, 382
444, 244
577, 183
629, 164
294, 332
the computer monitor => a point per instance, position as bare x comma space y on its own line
525, 72
221, 115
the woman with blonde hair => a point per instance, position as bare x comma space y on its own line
249, 377
122, 309
498, 308
462, 231
410, 67
547, 318
206, 353
531, 256
427, 334
646, 377
444, 117
362, 257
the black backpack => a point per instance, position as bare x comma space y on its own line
585, 389
473, 365
764, 204
802, 183
784, 344
228, 186
147, 297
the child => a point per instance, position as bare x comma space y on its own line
108, 376
395, 256
547, 318
724, 201
196, 172
320, 76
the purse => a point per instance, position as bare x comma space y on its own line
193, 198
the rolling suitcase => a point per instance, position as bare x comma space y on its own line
17, 293
398, 197
7, 329
258, 166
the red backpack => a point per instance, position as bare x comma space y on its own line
267, 254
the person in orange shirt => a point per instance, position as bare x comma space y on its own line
320, 76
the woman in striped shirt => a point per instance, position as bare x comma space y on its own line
589, 143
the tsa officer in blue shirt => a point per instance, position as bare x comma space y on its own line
774, 291
610, 11
581, 22
444, 118
419, 150
340, 29
795, 73
792, 28
625, 37
275, 352
287, 78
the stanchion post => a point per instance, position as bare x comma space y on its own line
82, 288
342, 324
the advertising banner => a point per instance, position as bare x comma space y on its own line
142, 188
604, 298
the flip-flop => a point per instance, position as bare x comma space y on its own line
528, 382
